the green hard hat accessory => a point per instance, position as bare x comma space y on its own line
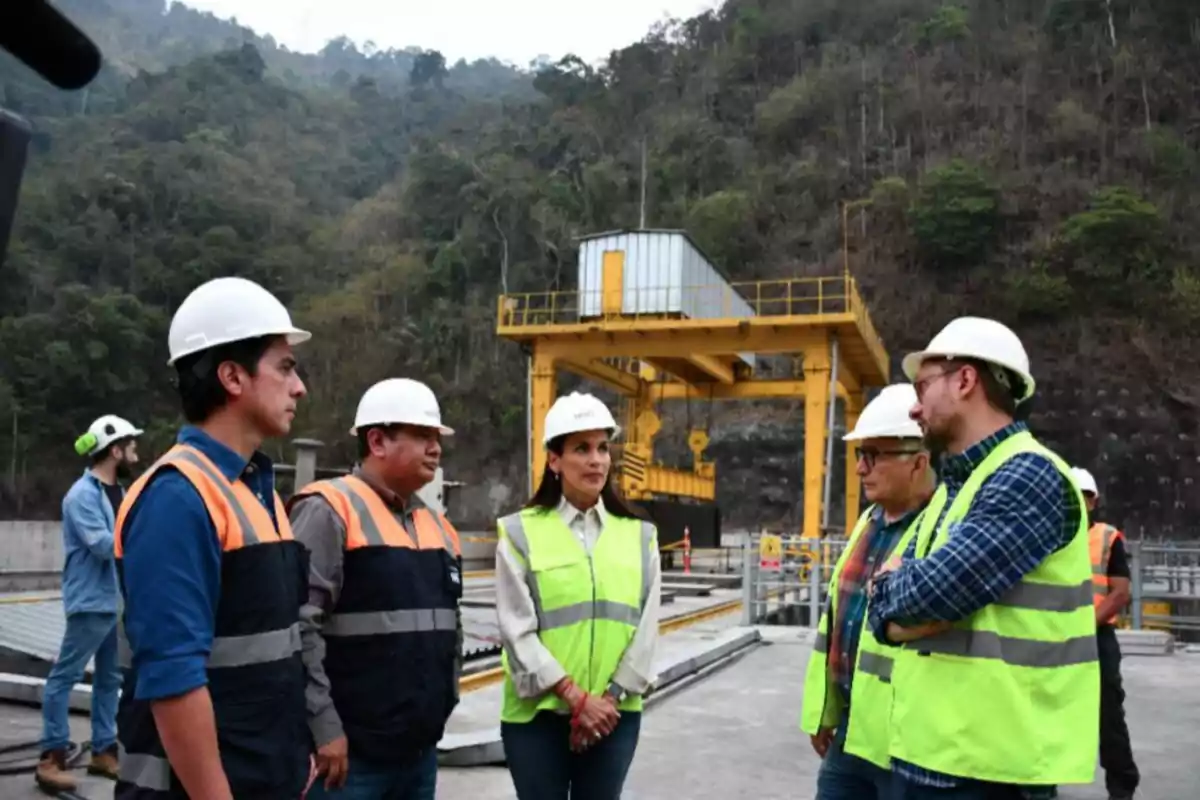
86, 444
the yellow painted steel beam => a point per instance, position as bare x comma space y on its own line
847, 378
544, 387
714, 366
711, 338
662, 369
817, 367
786, 389
663, 480
822, 303
650, 326
594, 370
853, 407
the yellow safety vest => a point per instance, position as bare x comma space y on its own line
871, 690
588, 607
1012, 693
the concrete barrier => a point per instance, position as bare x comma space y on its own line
31, 555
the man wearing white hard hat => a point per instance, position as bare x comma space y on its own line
89, 594
1005, 702
577, 597
1111, 579
213, 699
382, 628
847, 689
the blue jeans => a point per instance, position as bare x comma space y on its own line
89, 635
415, 780
847, 777
544, 768
972, 790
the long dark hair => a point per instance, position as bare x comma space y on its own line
549, 491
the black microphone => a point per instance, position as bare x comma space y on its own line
39, 35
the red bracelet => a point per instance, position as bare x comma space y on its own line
578, 707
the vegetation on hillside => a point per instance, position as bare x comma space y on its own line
1033, 160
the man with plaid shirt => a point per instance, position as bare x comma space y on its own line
997, 690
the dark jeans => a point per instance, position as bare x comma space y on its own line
544, 768
971, 790
848, 777
369, 781
1116, 756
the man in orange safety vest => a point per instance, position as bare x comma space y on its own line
1111, 593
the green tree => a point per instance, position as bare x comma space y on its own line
955, 217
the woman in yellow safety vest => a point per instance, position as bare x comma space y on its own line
577, 595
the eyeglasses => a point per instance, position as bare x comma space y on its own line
923, 384
870, 455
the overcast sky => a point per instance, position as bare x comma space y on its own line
515, 30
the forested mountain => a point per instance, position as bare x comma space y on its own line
1033, 160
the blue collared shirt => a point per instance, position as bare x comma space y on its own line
172, 567
1022, 513
89, 578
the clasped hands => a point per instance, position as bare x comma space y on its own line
592, 717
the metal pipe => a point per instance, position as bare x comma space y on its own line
829, 418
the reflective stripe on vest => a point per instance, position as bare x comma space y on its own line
870, 698
391, 638
370, 523
243, 526
1012, 693
1100, 543
588, 606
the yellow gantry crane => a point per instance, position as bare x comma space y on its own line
654, 320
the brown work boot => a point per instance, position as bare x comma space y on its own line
52, 775
104, 763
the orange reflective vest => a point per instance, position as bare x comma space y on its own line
392, 636
1100, 542
255, 675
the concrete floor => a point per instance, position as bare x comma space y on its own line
734, 735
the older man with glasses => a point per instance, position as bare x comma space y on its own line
847, 691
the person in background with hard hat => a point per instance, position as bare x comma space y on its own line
89, 595
1004, 702
213, 701
382, 628
578, 580
1111, 592
847, 689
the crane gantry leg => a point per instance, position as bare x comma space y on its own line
817, 365
543, 388
852, 405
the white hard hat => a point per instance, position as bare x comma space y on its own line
399, 401
577, 412
103, 432
886, 417
1085, 481
976, 337
228, 310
